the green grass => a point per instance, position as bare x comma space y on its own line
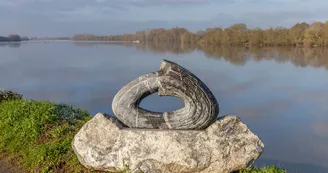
37, 135
265, 169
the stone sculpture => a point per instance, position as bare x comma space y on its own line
188, 140
201, 107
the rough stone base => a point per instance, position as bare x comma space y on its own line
227, 145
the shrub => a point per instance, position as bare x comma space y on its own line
9, 95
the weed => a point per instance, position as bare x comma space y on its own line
265, 169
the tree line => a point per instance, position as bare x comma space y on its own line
301, 34
50, 38
99, 38
12, 37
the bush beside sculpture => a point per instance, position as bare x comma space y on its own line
9, 95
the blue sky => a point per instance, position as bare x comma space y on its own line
68, 17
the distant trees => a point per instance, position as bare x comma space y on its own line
297, 33
162, 35
97, 38
300, 34
11, 37
189, 38
4, 38
314, 35
50, 38
235, 35
256, 37
212, 36
14, 37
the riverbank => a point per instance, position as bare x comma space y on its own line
36, 136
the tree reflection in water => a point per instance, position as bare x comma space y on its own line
301, 57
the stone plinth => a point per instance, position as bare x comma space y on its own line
225, 146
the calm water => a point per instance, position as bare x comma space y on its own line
280, 93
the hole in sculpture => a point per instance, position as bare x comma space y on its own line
157, 103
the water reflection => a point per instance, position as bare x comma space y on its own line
284, 104
300, 57
11, 45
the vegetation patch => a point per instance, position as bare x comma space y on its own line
38, 134
266, 169
9, 95
301, 34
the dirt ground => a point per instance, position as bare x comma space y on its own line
9, 166
5, 170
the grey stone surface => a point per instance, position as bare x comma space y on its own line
201, 107
8, 95
227, 145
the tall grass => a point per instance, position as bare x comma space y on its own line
39, 133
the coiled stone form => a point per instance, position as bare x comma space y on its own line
200, 110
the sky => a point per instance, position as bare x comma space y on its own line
110, 17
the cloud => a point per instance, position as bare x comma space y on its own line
172, 2
57, 17
270, 18
115, 4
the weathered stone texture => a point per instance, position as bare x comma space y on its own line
225, 146
200, 111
